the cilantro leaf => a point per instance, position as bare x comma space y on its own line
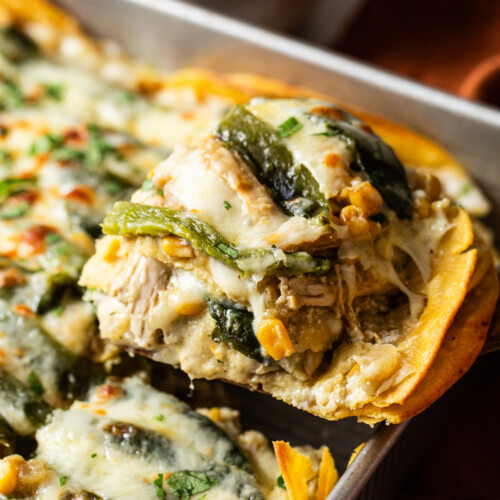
288, 127
11, 96
97, 147
57, 311
53, 90
35, 384
186, 483
281, 482
158, 482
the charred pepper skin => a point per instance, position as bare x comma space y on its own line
293, 186
373, 157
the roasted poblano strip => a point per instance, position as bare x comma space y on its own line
63, 375
10, 208
7, 439
15, 185
167, 452
118, 424
40, 281
20, 406
293, 186
373, 157
47, 366
134, 219
16, 46
234, 326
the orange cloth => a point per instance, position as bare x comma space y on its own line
439, 42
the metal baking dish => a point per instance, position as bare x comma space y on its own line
171, 34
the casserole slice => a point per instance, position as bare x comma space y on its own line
128, 440
292, 252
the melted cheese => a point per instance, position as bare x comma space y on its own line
76, 444
306, 146
213, 184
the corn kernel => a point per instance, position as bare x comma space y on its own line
355, 369
190, 308
176, 247
9, 470
364, 196
274, 338
111, 249
359, 226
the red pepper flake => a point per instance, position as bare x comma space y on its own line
11, 277
28, 197
107, 391
82, 194
74, 137
328, 112
33, 240
23, 310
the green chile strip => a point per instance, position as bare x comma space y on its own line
7, 439
374, 157
134, 219
70, 375
234, 326
27, 405
293, 186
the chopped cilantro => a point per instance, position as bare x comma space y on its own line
112, 187
281, 482
94, 154
127, 96
10, 94
57, 311
160, 192
5, 158
62, 480
158, 482
232, 252
97, 147
227, 205
93, 455
186, 483
14, 212
148, 185
62, 251
331, 131
66, 154
53, 90
45, 144
465, 189
160, 417
288, 127
35, 384
52, 238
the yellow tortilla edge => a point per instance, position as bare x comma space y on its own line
463, 343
